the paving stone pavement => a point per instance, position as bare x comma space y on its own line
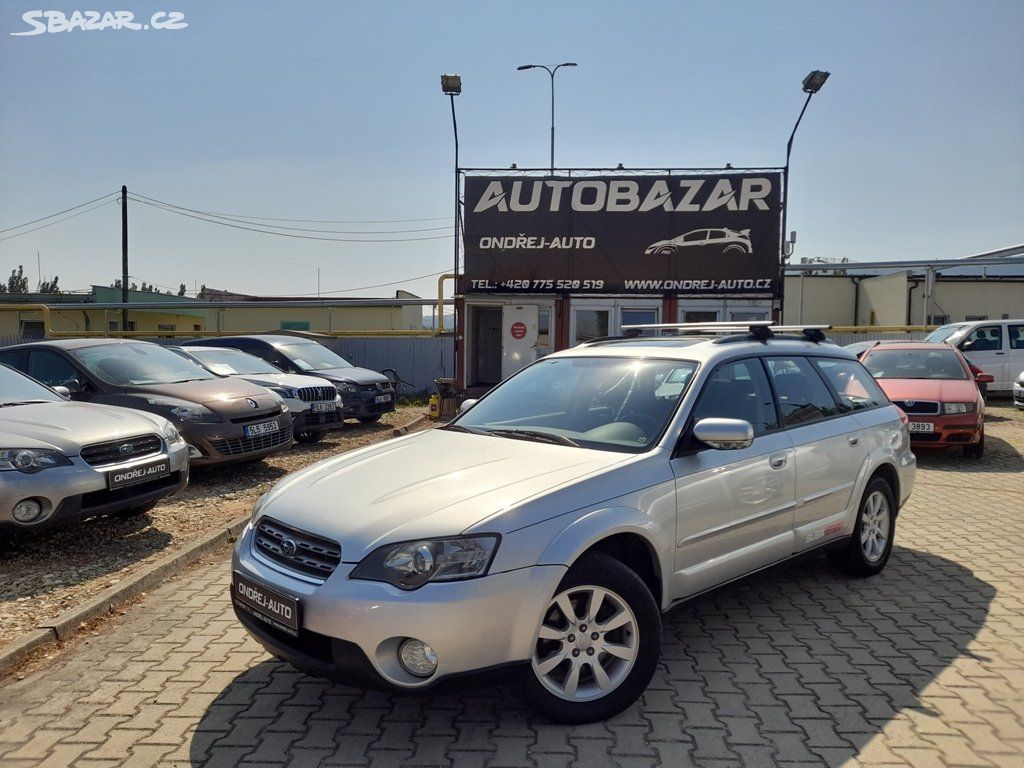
921, 666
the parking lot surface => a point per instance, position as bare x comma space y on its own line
799, 666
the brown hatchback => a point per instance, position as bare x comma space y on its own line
222, 419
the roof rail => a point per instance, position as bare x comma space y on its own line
762, 330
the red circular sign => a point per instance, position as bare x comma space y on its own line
518, 330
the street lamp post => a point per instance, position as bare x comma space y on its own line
551, 71
451, 86
812, 84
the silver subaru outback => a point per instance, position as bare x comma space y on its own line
547, 528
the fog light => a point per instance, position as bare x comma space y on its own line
27, 510
194, 453
418, 658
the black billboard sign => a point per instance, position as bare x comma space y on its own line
697, 234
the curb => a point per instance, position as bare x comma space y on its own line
63, 626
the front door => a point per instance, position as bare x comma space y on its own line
519, 332
734, 509
985, 346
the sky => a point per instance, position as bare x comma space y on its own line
333, 111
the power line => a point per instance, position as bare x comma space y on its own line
310, 221
278, 226
163, 207
378, 285
57, 221
58, 213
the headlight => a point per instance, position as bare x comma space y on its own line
957, 408
31, 460
193, 413
412, 564
171, 435
347, 389
279, 401
258, 506
284, 392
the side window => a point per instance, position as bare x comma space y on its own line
803, 396
852, 384
14, 359
987, 338
1016, 336
50, 368
739, 390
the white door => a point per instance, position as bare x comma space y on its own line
518, 337
985, 346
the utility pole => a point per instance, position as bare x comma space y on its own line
124, 257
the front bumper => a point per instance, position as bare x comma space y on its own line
955, 429
364, 403
1018, 395
80, 491
305, 420
350, 630
225, 442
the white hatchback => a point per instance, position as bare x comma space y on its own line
547, 527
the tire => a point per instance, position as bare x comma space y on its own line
865, 553
136, 511
636, 639
977, 450
369, 419
309, 437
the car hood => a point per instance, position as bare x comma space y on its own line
351, 375
290, 380
937, 390
67, 426
434, 483
206, 392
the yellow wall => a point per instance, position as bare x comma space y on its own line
826, 300
883, 300
994, 298
71, 320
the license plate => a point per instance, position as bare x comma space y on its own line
140, 473
266, 428
921, 426
324, 407
382, 399
267, 605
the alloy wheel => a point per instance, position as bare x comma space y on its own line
874, 527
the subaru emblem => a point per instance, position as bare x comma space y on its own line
289, 547
252, 402
126, 448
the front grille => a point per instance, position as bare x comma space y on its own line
922, 407
317, 394
117, 451
241, 446
381, 386
296, 549
254, 417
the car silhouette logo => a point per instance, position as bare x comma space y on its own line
126, 448
728, 240
289, 547
252, 403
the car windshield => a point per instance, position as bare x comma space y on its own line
915, 364
313, 356
139, 363
943, 333
18, 389
608, 403
231, 362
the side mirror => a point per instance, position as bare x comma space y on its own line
984, 378
967, 345
71, 387
466, 405
62, 391
724, 434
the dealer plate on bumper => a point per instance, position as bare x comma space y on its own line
921, 426
140, 473
267, 605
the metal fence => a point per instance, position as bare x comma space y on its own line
10, 341
843, 339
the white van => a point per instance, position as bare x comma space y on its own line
995, 346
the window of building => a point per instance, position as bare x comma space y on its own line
295, 325
700, 316
640, 316
113, 325
32, 329
970, 318
748, 316
166, 327
938, 319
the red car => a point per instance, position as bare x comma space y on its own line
937, 389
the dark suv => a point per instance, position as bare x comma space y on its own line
366, 395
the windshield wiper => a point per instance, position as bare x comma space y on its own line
536, 436
25, 402
468, 430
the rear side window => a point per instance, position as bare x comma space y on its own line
739, 391
855, 388
803, 396
1016, 336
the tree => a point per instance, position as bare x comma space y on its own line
50, 286
181, 290
16, 283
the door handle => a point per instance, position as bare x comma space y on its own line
778, 461
853, 440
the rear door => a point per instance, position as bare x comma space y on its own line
826, 442
734, 509
1015, 354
